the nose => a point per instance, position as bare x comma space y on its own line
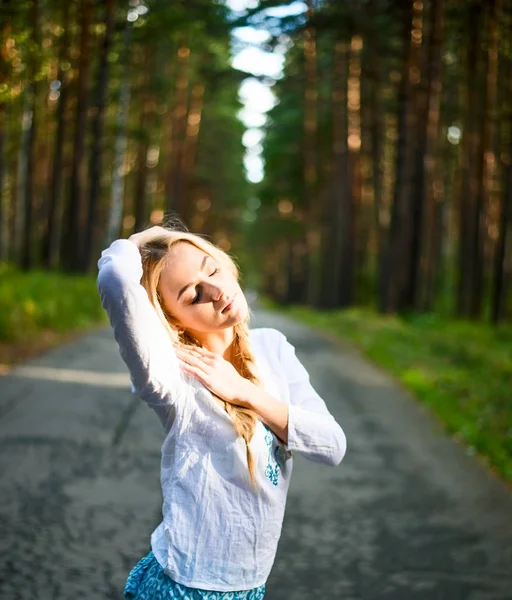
218, 293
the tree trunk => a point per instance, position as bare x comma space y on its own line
21, 176
190, 149
372, 71
468, 206
503, 244
73, 240
145, 128
52, 238
4, 244
435, 194
4, 77
27, 258
294, 258
500, 281
118, 177
427, 132
485, 168
340, 189
350, 188
398, 247
174, 187
310, 160
98, 125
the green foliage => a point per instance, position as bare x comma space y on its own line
462, 370
37, 301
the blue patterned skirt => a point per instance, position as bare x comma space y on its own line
148, 581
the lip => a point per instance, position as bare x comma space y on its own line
228, 305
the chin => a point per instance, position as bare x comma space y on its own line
241, 314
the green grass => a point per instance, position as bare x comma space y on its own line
461, 370
38, 301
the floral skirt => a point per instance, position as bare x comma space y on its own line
148, 581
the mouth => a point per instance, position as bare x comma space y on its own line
228, 305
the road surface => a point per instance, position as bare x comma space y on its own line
408, 515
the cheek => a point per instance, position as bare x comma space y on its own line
199, 316
179, 313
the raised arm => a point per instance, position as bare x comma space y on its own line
312, 430
143, 341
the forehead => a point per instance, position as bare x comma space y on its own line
182, 264
183, 252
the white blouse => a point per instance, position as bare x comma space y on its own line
217, 533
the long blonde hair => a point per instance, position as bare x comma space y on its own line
154, 254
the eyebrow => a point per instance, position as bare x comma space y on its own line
184, 288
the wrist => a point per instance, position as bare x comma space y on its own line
246, 396
133, 240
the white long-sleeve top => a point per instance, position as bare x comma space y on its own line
217, 532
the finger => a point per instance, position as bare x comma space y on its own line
205, 352
195, 351
195, 362
187, 350
196, 372
188, 354
191, 349
188, 357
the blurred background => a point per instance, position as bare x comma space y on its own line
355, 157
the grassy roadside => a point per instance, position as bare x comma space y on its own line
39, 310
461, 370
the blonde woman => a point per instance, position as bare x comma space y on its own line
235, 404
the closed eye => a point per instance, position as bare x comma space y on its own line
198, 295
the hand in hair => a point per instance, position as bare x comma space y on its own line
216, 373
143, 236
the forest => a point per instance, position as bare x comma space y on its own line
388, 169
383, 211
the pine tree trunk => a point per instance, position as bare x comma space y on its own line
145, 128
118, 176
98, 125
27, 258
3, 162
468, 206
52, 239
21, 176
339, 185
396, 268
350, 185
375, 119
293, 258
434, 197
501, 278
486, 159
4, 75
355, 251
428, 97
372, 72
174, 187
73, 240
310, 161
190, 149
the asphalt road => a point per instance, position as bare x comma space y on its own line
408, 515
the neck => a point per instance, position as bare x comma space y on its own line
220, 342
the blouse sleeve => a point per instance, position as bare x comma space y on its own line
143, 342
312, 430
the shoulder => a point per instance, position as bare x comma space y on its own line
266, 333
265, 336
272, 343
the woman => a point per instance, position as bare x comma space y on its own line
234, 404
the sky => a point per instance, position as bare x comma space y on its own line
257, 97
